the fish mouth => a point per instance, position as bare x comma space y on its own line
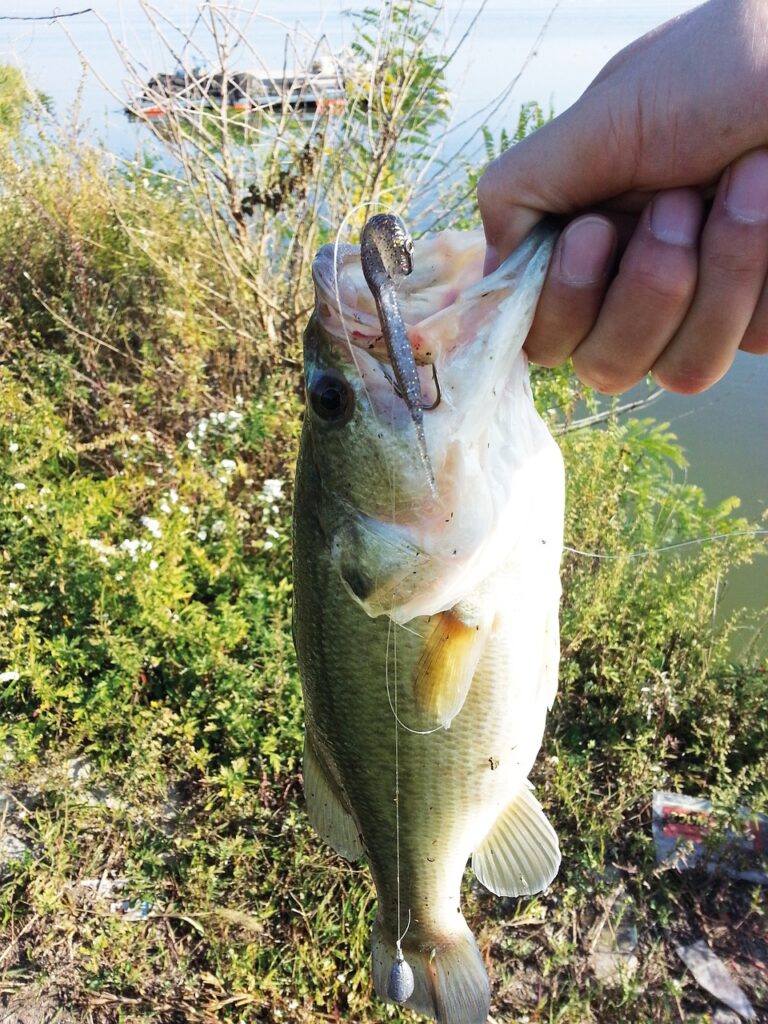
479, 436
444, 266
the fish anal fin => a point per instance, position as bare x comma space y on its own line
325, 807
444, 671
520, 855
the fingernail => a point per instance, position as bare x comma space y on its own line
491, 260
674, 218
586, 250
746, 192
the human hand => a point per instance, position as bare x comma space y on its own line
677, 114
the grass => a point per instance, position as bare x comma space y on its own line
150, 711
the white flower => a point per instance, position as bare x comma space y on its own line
165, 508
268, 544
272, 532
228, 465
173, 495
202, 534
218, 528
152, 525
153, 565
19, 486
272, 491
100, 546
13, 447
131, 546
8, 677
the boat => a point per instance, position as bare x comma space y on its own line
321, 87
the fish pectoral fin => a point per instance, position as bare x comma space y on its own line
443, 674
520, 855
325, 807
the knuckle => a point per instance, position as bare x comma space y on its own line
670, 289
486, 186
737, 265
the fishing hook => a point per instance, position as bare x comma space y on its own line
435, 380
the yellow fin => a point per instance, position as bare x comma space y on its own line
444, 672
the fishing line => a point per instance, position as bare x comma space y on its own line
400, 982
647, 552
398, 946
393, 704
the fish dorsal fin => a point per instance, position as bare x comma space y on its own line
521, 854
454, 643
325, 808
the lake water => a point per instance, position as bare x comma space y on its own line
552, 54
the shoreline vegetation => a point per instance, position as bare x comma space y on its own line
156, 864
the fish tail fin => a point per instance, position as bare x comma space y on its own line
450, 982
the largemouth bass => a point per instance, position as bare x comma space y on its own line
426, 610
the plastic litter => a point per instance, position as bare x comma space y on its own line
714, 977
686, 835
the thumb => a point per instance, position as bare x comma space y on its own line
565, 166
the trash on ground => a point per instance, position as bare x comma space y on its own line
713, 976
103, 887
687, 835
132, 910
614, 941
721, 1016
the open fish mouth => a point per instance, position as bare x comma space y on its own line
444, 266
396, 526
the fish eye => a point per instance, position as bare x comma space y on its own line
331, 398
409, 245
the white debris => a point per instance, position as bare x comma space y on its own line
714, 977
12, 848
612, 955
103, 887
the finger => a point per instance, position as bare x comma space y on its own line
755, 339
573, 290
648, 299
583, 166
732, 269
